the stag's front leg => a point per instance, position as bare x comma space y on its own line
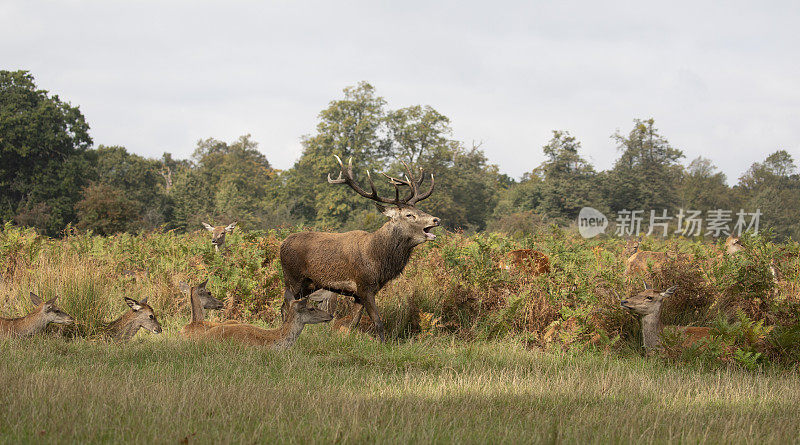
372, 310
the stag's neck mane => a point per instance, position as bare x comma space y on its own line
392, 250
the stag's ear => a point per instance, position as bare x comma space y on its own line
184, 287
230, 227
391, 211
208, 227
35, 299
133, 304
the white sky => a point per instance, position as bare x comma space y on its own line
722, 80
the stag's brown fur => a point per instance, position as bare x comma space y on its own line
35, 322
358, 263
299, 314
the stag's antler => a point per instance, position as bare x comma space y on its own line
346, 177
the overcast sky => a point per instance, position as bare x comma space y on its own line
721, 80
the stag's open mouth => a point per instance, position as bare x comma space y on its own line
428, 234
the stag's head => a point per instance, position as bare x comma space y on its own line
218, 233
412, 223
143, 315
50, 311
648, 301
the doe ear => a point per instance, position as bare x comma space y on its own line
133, 303
52, 301
208, 227
143, 300
231, 226
35, 299
669, 291
203, 284
646, 286
184, 287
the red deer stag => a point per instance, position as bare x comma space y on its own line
359, 263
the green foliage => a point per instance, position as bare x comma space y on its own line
43, 142
645, 175
106, 210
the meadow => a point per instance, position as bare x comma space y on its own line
475, 353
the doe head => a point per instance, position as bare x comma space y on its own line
307, 313
733, 244
51, 312
202, 294
144, 316
648, 301
218, 233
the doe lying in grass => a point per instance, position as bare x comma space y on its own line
35, 322
140, 315
647, 304
299, 314
201, 299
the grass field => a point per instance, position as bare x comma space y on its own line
351, 389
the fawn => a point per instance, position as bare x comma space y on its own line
299, 314
647, 304
201, 299
35, 322
140, 315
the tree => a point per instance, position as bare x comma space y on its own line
773, 187
647, 174
228, 182
141, 180
349, 127
106, 210
568, 181
703, 188
43, 142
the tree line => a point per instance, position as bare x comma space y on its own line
52, 177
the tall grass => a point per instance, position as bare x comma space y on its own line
452, 287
